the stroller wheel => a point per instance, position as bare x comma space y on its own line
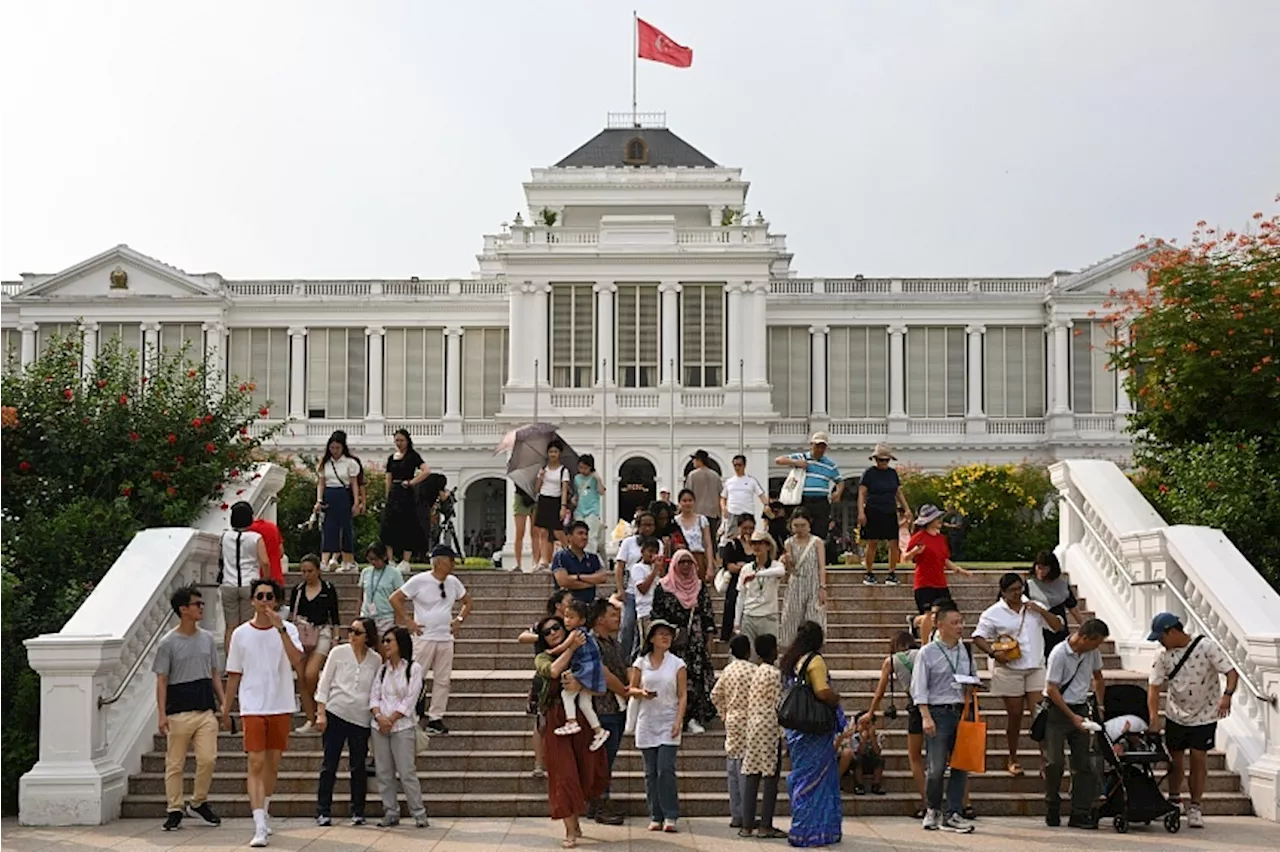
1121, 825
1173, 822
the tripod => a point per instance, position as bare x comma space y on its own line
446, 533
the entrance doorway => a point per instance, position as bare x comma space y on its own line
711, 463
485, 519
637, 486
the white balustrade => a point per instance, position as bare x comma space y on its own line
1131, 565
702, 399
415, 288
1095, 423
97, 693
572, 399
483, 429
1012, 285
325, 428
484, 287
1015, 426
416, 429
936, 426
874, 427
709, 236
632, 399
935, 285
788, 428
791, 286
858, 285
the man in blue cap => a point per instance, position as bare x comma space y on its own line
1188, 668
433, 625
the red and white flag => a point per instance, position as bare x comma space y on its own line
657, 46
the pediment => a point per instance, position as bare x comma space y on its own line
118, 272
1114, 273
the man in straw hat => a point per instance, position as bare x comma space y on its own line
823, 482
880, 499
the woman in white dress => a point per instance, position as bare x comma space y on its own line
658, 679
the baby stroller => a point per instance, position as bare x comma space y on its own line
1130, 791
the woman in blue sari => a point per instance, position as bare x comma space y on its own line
814, 781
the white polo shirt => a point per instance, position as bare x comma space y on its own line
999, 618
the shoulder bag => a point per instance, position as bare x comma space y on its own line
308, 633
1008, 645
682, 635
800, 709
1040, 723
792, 493
970, 751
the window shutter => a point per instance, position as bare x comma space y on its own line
357, 372
173, 336
1081, 369
416, 380
917, 370
840, 388
993, 372
432, 393
954, 371
1015, 367
393, 372
877, 372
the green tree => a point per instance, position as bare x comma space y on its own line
89, 458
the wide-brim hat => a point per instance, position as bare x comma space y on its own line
655, 624
882, 451
820, 438
928, 514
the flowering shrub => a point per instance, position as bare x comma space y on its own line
1202, 363
88, 460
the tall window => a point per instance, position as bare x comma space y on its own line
337, 359
11, 353
703, 328
858, 372
484, 371
638, 335
261, 356
413, 376
788, 358
174, 335
572, 333
128, 333
48, 330
1093, 385
935, 371
1014, 371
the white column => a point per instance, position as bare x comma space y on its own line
298, 372
519, 364
1061, 360
757, 331
604, 333
897, 361
975, 333
375, 334
1124, 402
734, 296
1050, 372
453, 382
28, 330
89, 341
150, 345
215, 371
818, 370
670, 331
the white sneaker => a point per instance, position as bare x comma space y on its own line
932, 820
304, 728
259, 837
267, 823
1195, 817
694, 728
958, 824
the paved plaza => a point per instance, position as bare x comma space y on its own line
882, 834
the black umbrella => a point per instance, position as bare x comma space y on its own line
528, 448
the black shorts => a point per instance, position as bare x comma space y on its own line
915, 722
1195, 737
926, 597
547, 514
880, 526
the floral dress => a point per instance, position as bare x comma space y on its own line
730, 696
696, 656
763, 732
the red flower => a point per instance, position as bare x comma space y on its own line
25, 467
171, 491
210, 448
264, 411
171, 438
157, 475
197, 423
146, 379
241, 491
124, 399
133, 436
1164, 489
244, 430
225, 506
126, 491
68, 394
235, 472
179, 459
243, 388
1211, 485
208, 418
191, 374
102, 383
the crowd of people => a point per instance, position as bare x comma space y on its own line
640, 661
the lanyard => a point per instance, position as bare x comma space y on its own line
947, 657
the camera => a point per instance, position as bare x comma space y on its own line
447, 503
891, 712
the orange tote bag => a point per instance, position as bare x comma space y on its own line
970, 752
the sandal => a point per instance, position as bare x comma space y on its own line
568, 729
746, 832
773, 834
1014, 768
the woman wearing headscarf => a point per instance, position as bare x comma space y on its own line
682, 599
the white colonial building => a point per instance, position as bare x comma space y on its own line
638, 305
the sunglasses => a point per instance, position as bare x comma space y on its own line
264, 596
442, 594
357, 632
387, 640
550, 631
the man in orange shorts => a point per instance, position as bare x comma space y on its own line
265, 651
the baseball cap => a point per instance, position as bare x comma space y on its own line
443, 550
1162, 622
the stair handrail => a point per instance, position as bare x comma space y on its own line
1208, 631
1102, 542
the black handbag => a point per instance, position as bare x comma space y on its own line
800, 710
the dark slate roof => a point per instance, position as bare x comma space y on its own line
608, 148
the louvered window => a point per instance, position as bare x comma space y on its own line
572, 335
639, 331
935, 371
413, 374
1014, 371
261, 356
336, 369
48, 330
1093, 385
788, 359
857, 372
128, 333
484, 371
703, 335
175, 335
12, 351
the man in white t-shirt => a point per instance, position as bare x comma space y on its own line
741, 493
433, 625
264, 654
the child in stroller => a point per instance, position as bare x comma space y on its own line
1130, 791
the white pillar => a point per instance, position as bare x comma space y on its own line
519, 364
604, 333
1061, 360
28, 330
757, 331
818, 370
89, 341
453, 366
670, 331
1050, 371
735, 295
1124, 402
150, 345
298, 372
975, 333
215, 372
375, 334
897, 378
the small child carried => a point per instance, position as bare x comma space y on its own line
588, 671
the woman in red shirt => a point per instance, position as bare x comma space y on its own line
929, 550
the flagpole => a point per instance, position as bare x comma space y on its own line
635, 50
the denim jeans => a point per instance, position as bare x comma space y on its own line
660, 782
337, 733
627, 645
733, 775
614, 723
937, 753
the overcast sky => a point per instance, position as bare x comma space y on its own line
381, 139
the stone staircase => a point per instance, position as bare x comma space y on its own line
483, 767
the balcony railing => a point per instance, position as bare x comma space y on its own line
905, 286
365, 289
1015, 426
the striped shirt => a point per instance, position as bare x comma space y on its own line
820, 477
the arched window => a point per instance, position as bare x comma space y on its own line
637, 153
